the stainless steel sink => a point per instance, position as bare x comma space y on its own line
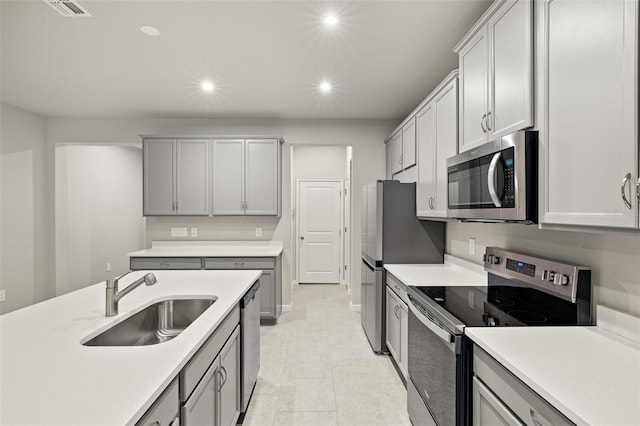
155, 324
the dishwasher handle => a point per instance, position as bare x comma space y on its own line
251, 294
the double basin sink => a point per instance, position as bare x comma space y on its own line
155, 324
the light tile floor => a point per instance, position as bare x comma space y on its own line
317, 368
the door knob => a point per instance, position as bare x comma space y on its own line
302, 238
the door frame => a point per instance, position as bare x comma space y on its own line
341, 274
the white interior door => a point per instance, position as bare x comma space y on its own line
320, 210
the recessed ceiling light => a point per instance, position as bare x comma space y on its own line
150, 31
207, 86
325, 87
330, 20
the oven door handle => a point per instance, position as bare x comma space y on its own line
435, 328
491, 180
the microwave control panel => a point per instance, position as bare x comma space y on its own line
509, 197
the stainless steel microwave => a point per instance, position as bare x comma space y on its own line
495, 182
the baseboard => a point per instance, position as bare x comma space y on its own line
354, 308
287, 308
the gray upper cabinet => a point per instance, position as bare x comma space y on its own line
437, 130
212, 176
159, 177
176, 177
192, 181
262, 177
588, 76
496, 74
228, 176
246, 177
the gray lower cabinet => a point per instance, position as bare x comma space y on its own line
208, 389
396, 323
216, 399
500, 398
270, 281
165, 411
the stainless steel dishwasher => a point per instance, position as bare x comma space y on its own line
250, 347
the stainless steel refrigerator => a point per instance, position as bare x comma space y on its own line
391, 233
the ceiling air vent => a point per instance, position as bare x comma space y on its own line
68, 8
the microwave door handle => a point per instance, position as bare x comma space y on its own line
442, 334
491, 180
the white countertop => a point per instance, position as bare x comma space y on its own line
453, 272
48, 377
589, 374
211, 249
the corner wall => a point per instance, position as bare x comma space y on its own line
26, 267
365, 136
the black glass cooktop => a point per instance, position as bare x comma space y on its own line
502, 305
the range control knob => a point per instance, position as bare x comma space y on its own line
548, 276
495, 260
560, 279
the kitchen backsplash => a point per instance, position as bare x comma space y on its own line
158, 228
613, 256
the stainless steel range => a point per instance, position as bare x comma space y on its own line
522, 291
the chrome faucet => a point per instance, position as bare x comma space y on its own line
114, 296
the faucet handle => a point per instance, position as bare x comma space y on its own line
150, 279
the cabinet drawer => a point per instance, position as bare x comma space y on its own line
239, 263
165, 410
398, 287
143, 263
196, 368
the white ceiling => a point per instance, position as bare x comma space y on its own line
265, 57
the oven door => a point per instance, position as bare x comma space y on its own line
433, 365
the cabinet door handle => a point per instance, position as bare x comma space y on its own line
638, 190
482, 123
164, 265
622, 193
395, 311
537, 421
487, 120
223, 377
239, 264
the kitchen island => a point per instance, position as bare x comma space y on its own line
48, 376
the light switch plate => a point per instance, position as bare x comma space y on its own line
472, 246
194, 232
3, 295
258, 231
108, 268
178, 232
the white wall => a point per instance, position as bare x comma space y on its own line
26, 254
98, 209
365, 136
613, 256
314, 162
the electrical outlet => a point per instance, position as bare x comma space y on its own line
194, 232
472, 246
258, 231
108, 266
178, 232
3, 295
